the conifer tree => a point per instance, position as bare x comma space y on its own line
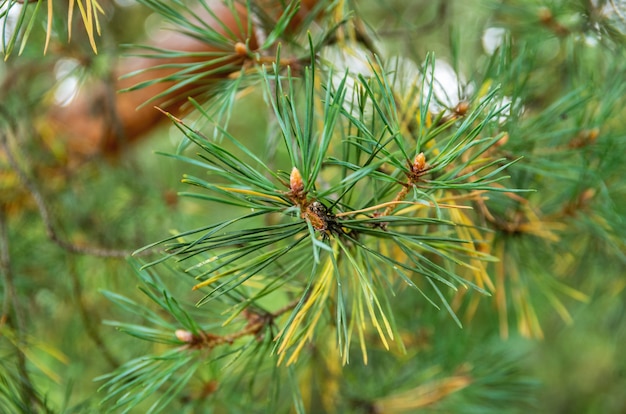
341, 206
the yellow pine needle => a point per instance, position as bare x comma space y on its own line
42, 366
215, 278
484, 88
70, 14
338, 17
319, 108
89, 22
417, 206
471, 308
363, 346
256, 282
34, 357
83, 14
572, 293
370, 299
423, 395
251, 193
429, 123
467, 231
373, 208
230, 271
232, 317
218, 276
559, 307
88, 13
414, 206
97, 8
527, 320
473, 196
49, 27
540, 228
383, 248
53, 352
360, 323
501, 304
409, 104
529, 325
617, 287
307, 336
318, 297
202, 263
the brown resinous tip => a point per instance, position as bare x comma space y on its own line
296, 185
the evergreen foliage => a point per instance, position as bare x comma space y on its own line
379, 213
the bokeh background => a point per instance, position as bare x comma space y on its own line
127, 198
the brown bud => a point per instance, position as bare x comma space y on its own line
419, 163
502, 141
241, 49
587, 195
295, 182
461, 108
545, 15
584, 138
184, 336
317, 215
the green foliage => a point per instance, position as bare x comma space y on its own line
18, 22
356, 231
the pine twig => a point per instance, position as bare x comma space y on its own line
256, 322
416, 170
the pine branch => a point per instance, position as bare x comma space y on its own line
387, 204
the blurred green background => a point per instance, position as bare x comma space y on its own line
130, 201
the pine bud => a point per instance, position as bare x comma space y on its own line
184, 336
317, 214
241, 49
419, 163
295, 182
502, 141
461, 108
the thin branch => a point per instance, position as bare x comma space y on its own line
256, 322
44, 212
111, 114
286, 308
90, 328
